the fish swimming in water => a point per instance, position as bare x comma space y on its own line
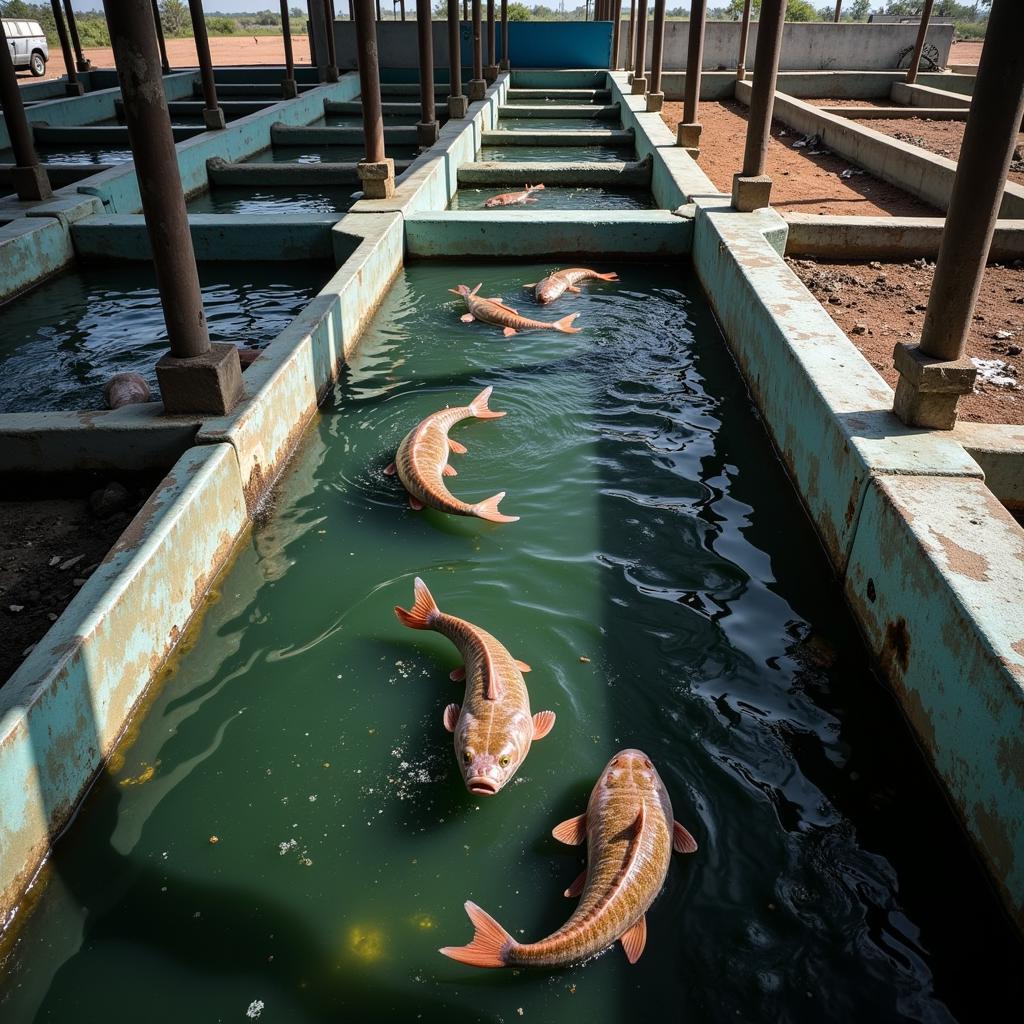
566, 281
422, 462
494, 311
514, 198
493, 728
630, 834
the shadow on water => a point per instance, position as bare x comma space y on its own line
831, 871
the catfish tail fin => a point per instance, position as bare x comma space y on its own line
478, 407
488, 509
491, 943
565, 324
424, 610
609, 277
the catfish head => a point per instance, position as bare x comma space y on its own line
490, 753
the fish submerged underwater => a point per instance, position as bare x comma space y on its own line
630, 833
422, 462
494, 311
493, 728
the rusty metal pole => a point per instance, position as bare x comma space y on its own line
922, 32
426, 130
504, 64
30, 180
289, 87
688, 132
465, 10
839, 11
616, 33
639, 86
196, 376
631, 42
491, 67
80, 62
332, 57
655, 97
935, 373
376, 171
165, 64
213, 114
73, 87
752, 188
741, 64
401, 4
458, 102
318, 54
477, 85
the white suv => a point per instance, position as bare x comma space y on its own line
28, 45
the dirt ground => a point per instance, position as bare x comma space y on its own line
804, 180
941, 137
966, 52
48, 549
225, 50
878, 304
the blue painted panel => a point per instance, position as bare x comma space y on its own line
548, 44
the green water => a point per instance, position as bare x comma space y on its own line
273, 199
62, 341
558, 124
559, 154
324, 154
75, 154
660, 540
556, 197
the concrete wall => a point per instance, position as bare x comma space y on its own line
806, 46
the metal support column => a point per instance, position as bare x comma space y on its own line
491, 67
289, 87
196, 376
73, 87
477, 85
752, 188
639, 86
458, 102
688, 132
316, 26
616, 33
504, 64
655, 97
935, 373
81, 63
30, 180
165, 64
426, 130
631, 42
839, 11
376, 171
741, 63
922, 32
213, 115
332, 57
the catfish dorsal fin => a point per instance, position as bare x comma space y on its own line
635, 830
501, 305
491, 688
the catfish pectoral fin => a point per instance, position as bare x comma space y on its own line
451, 716
572, 831
543, 723
577, 886
682, 841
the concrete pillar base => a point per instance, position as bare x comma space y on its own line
639, 86
332, 74
477, 88
655, 101
753, 193
490, 73
629, 77
210, 383
83, 65
31, 183
378, 178
741, 74
213, 119
74, 89
928, 389
458, 106
688, 135
289, 88
426, 134
504, 65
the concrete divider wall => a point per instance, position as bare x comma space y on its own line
806, 46
118, 189
65, 707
